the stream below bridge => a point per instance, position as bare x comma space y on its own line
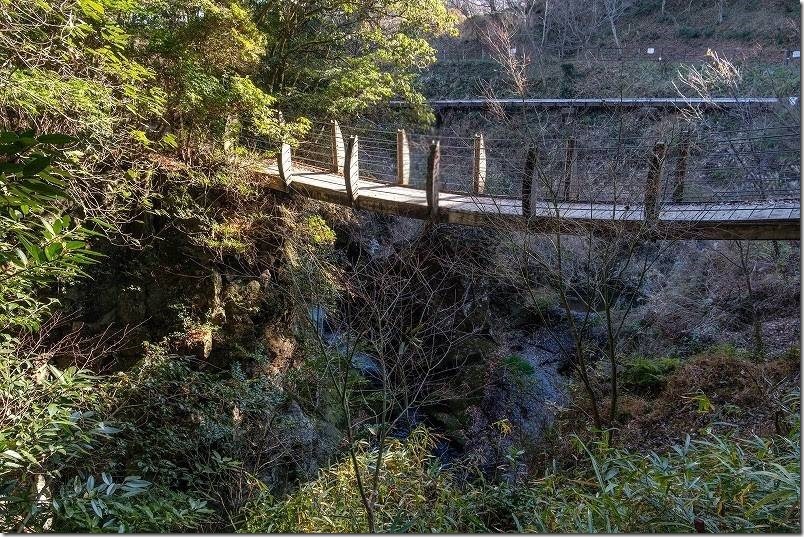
527, 396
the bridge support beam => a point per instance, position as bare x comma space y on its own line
681, 169
402, 158
527, 181
479, 165
433, 183
285, 164
653, 182
337, 145
351, 171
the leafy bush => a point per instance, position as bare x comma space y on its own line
39, 243
648, 373
47, 428
130, 505
410, 480
51, 432
723, 483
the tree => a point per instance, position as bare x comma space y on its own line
340, 57
594, 270
614, 9
391, 338
596, 274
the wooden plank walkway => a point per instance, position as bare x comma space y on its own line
659, 102
740, 220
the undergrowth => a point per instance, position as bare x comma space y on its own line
718, 483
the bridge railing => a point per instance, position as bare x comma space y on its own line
683, 166
643, 53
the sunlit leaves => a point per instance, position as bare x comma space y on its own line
728, 485
48, 426
66, 59
39, 244
344, 57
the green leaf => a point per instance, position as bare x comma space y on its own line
37, 164
12, 454
10, 168
92, 9
29, 456
107, 429
96, 508
53, 250
22, 256
55, 139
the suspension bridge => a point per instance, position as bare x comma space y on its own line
477, 50
614, 102
692, 185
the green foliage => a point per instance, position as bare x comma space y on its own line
730, 485
205, 52
648, 373
130, 505
320, 232
67, 60
39, 243
343, 57
200, 432
50, 435
49, 428
410, 481
520, 368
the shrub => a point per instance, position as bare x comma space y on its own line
648, 373
49, 426
131, 505
688, 32
52, 430
722, 483
39, 243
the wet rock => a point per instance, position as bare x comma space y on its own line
521, 398
307, 443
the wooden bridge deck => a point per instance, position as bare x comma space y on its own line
738, 220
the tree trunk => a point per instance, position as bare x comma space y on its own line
614, 30
612, 349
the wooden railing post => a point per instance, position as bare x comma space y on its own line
285, 163
527, 181
351, 171
338, 153
479, 165
432, 185
402, 158
568, 162
681, 169
653, 182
